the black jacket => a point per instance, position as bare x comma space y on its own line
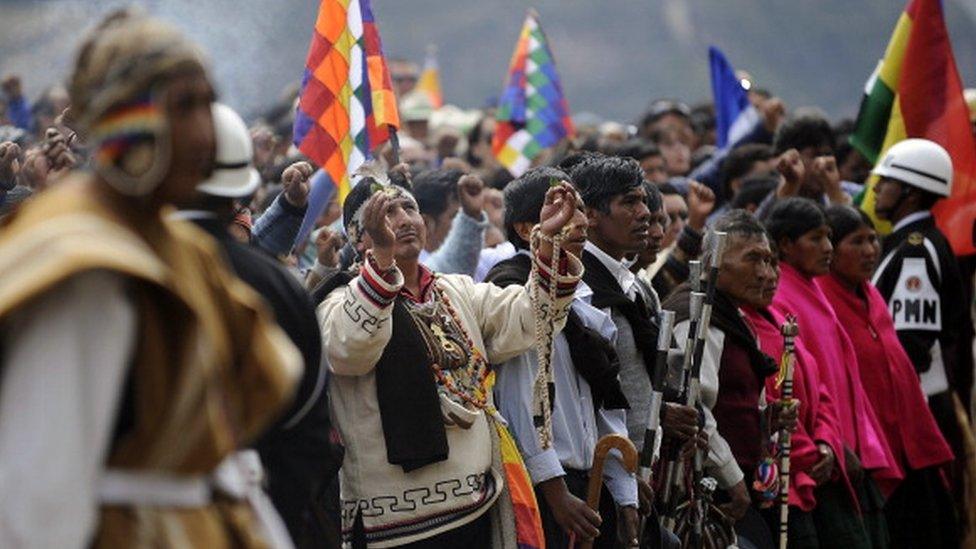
297, 453
919, 277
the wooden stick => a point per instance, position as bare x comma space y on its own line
629, 454
394, 144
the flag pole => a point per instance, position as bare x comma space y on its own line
394, 144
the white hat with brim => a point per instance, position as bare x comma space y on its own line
236, 182
233, 175
919, 163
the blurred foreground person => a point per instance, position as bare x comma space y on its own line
132, 362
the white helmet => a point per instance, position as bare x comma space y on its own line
920, 163
234, 175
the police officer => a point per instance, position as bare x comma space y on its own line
919, 275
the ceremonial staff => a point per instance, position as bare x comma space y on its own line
665, 326
673, 469
694, 385
789, 330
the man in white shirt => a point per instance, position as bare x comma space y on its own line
588, 402
620, 223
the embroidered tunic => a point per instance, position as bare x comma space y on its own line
400, 507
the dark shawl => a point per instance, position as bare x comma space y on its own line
594, 358
406, 392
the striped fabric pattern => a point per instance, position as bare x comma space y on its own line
347, 107
528, 524
915, 91
532, 114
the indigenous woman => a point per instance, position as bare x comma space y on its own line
816, 441
412, 389
132, 362
920, 511
799, 229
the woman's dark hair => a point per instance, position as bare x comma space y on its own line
599, 178
844, 220
523, 200
793, 217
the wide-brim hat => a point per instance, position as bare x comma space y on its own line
233, 176
231, 182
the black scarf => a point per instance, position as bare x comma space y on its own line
608, 293
406, 392
725, 317
594, 358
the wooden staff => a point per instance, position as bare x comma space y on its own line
789, 330
394, 145
603, 446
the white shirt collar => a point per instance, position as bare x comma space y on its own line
911, 218
618, 269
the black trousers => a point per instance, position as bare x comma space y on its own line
920, 512
578, 482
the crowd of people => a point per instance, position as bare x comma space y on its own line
436, 365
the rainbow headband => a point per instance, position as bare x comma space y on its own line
125, 126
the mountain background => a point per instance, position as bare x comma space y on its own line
614, 56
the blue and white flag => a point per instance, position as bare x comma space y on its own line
734, 114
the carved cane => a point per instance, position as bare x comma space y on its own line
603, 447
789, 331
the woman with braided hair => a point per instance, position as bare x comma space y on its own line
131, 362
411, 391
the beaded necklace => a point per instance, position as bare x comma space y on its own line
468, 383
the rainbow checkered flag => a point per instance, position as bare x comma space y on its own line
532, 113
347, 106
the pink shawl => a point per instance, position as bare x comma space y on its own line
817, 420
829, 345
888, 376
